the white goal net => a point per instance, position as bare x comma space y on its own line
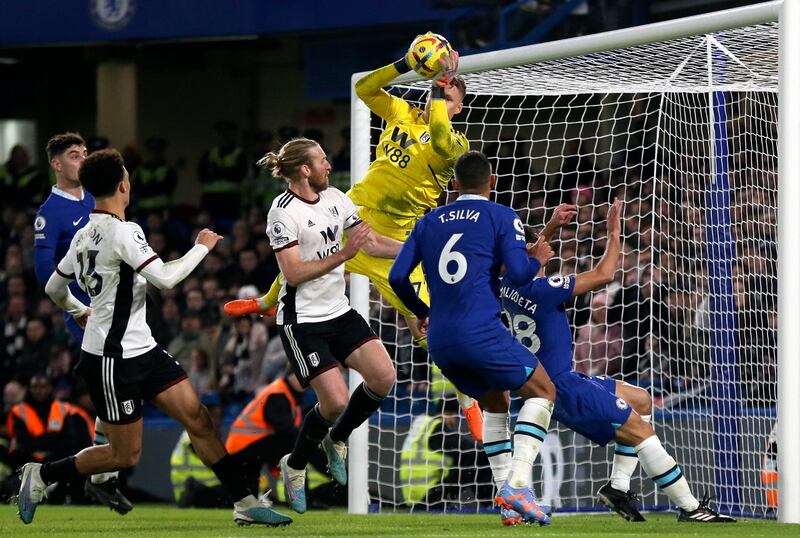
684, 132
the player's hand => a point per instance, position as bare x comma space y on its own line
422, 325
207, 238
81, 320
357, 238
614, 218
562, 216
448, 71
540, 250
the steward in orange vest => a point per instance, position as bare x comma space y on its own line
43, 429
267, 428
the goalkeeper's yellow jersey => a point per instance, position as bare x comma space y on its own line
413, 161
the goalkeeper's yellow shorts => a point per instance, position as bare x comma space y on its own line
386, 224
377, 269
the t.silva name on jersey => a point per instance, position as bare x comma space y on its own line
460, 214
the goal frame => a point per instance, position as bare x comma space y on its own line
787, 13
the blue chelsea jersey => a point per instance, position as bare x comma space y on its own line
57, 220
462, 246
539, 320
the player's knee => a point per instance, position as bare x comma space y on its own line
641, 401
495, 402
133, 458
383, 382
637, 430
199, 421
332, 406
127, 457
546, 389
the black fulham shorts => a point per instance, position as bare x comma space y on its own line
314, 348
118, 386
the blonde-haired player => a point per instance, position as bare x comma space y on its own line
413, 165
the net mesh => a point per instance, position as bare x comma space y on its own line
684, 132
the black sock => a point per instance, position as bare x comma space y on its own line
314, 428
230, 473
64, 471
363, 402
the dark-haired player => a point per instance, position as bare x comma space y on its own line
599, 408
65, 212
120, 361
462, 246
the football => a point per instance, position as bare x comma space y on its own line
424, 53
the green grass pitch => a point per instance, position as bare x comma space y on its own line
153, 520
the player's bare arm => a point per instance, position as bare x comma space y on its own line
168, 275
296, 271
57, 288
603, 272
541, 250
81, 320
562, 216
380, 246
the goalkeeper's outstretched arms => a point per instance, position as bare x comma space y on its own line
369, 89
446, 100
444, 141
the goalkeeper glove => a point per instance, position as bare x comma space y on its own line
449, 70
243, 307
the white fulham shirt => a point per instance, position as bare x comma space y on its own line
105, 257
316, 228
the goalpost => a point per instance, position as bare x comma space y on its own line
695, 124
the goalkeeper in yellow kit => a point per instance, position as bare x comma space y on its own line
413, 165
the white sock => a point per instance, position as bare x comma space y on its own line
100, 439
497, 445
661, 467
624, 464
464, 401
529, 433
